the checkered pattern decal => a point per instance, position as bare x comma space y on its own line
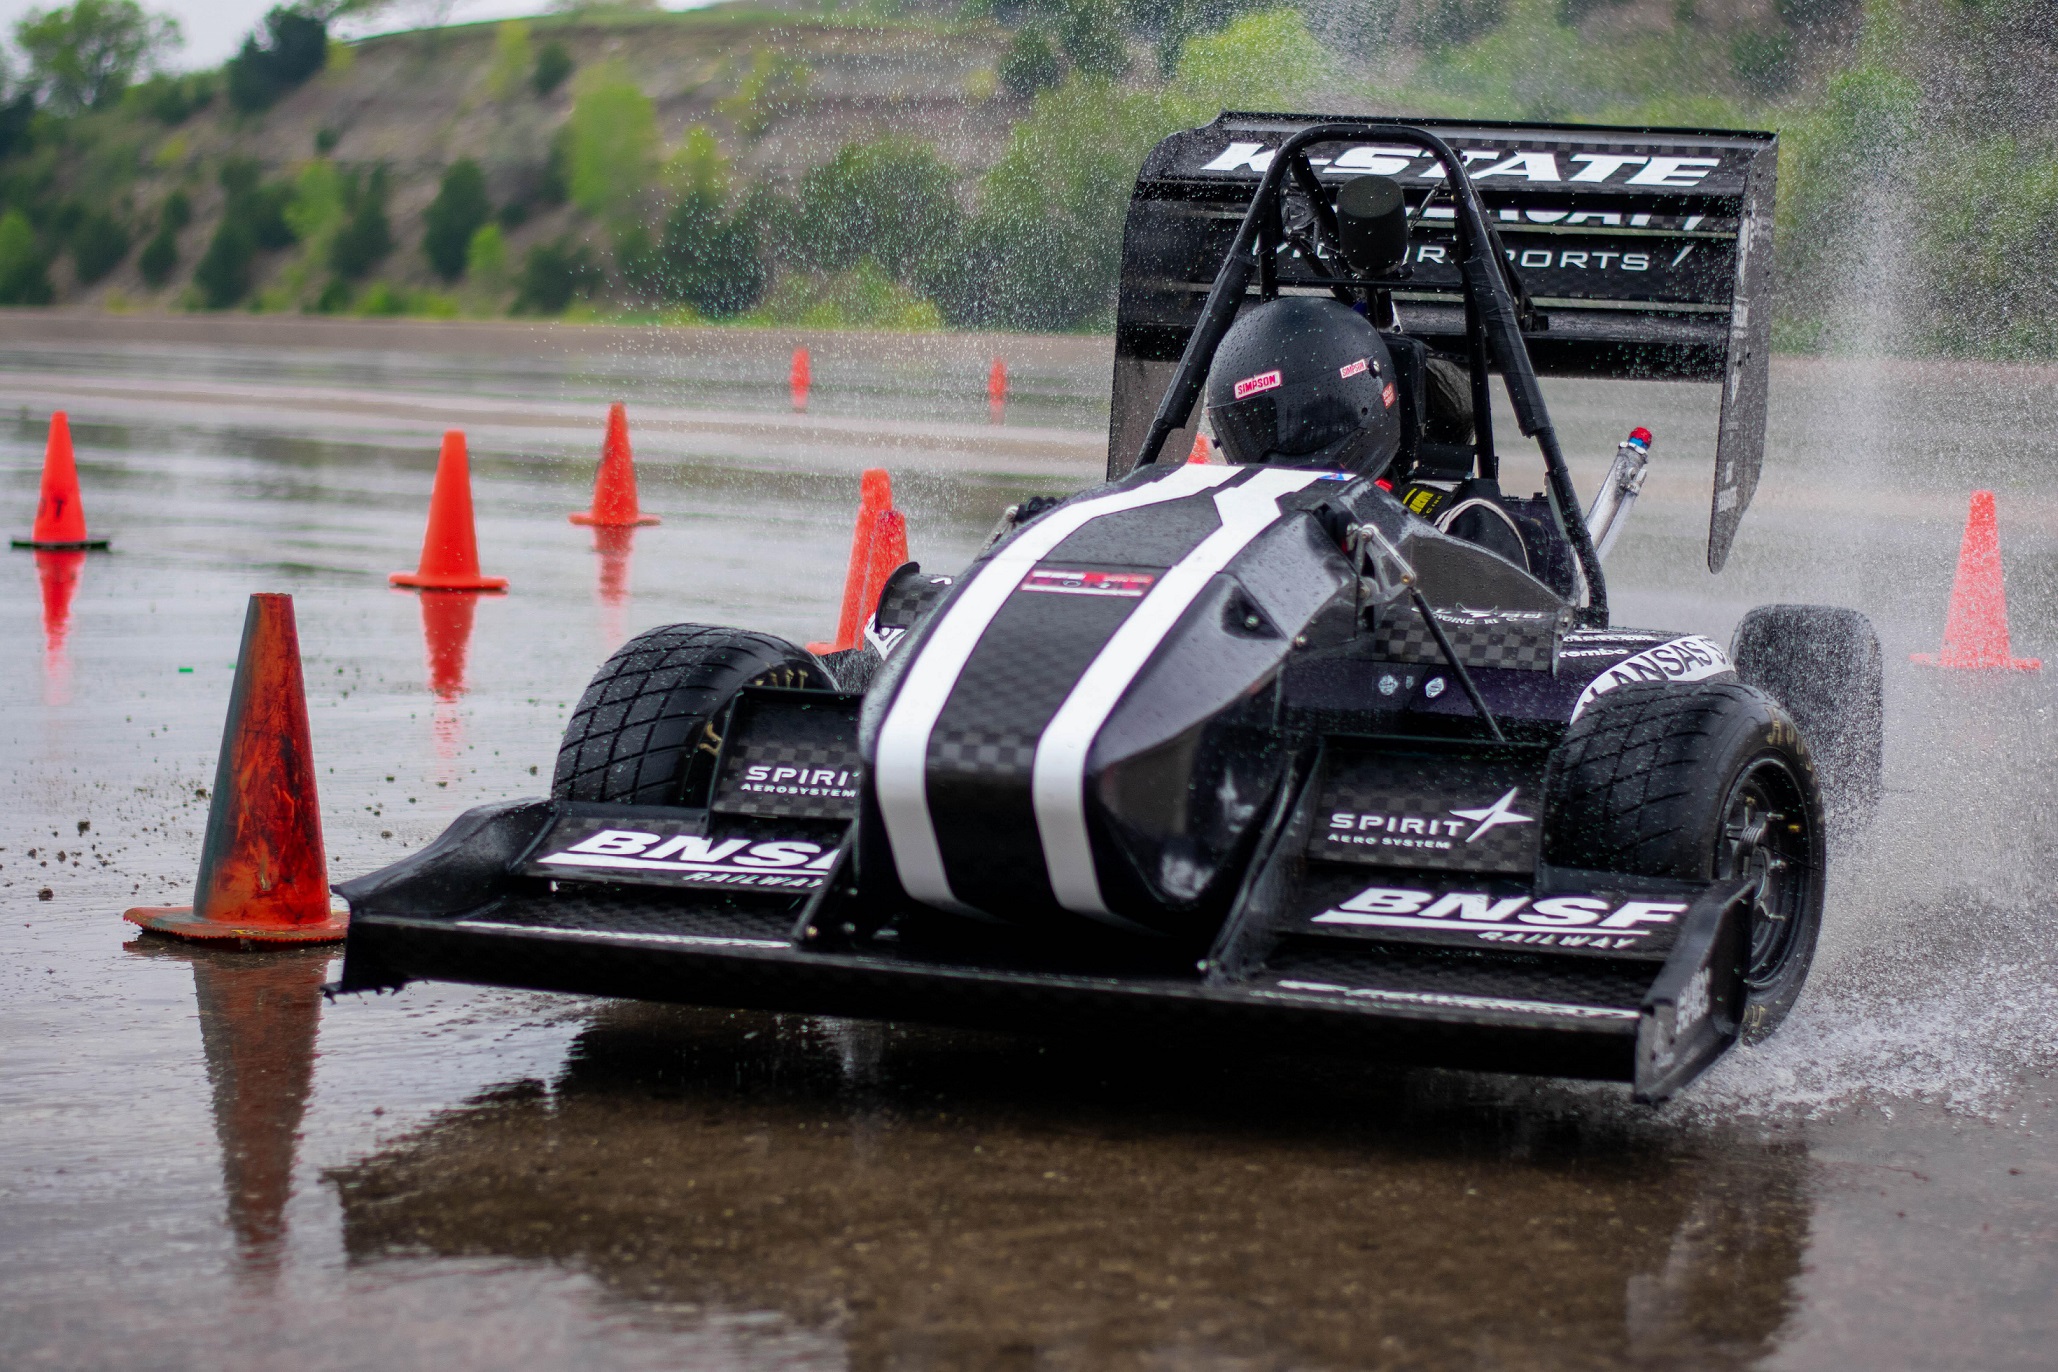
1522, 641
1440, 812
796, 759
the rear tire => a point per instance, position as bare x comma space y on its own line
1700, 783
1824, 666
644, 733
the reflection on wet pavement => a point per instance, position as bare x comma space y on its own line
935, 1200
201, 1164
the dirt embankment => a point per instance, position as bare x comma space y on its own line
415, 102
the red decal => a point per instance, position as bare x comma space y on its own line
1264, 381
1066, 581
1386, 396
1357, 368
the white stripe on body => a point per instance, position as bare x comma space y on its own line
1059, 777
900, 773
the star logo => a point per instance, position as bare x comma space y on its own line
1497, 813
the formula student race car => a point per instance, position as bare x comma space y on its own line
1313, 754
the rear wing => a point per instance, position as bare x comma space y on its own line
1646, 253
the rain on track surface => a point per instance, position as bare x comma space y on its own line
202, 1165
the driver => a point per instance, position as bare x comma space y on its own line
1307, 381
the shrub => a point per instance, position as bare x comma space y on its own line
611, 145
1092, 35
224, 271
553, 65
366, 237
1031, 63
513, 59
264, 72
485, 257
774, 85
177, 211
456, 213
24, 266
892, 200
172, 100
160, 256
98, 245
710, 261
552, 274
326, 139
260, 206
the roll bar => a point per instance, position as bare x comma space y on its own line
1495, 304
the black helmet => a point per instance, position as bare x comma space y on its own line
1305, 381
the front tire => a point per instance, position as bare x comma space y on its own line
644, 733
1700, 783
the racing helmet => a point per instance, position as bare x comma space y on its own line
1305, 381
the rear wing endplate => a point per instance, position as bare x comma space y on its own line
1647, 254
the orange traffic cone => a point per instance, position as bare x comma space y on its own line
997, 382
1203, 451
450, 546
800, 378
614, 486
1976, 633
60, 515
447, 637
878, 545
263, 878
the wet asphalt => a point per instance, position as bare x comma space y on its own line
202, 1164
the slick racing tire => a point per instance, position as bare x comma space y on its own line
1823, 665
1700, 783
645, 731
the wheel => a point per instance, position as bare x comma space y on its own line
1823, 665
1700, 783
644, 731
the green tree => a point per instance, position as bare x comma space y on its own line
366, 237
98, 244
224, 271
295, 47
774, 85
24, 266
708, 259
456, 213
892, 200
513, 58
1031, 63
160, 256
485, 259
83, 55
611, 145
552, 274
553, 65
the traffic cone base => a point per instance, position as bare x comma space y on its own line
450, 544
179, 921
60, 525
264, 877
1976, 631
614, 485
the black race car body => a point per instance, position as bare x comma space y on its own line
1252, 752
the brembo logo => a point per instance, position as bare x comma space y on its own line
1576, 921
1420, 831
1529, 168
791, 864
